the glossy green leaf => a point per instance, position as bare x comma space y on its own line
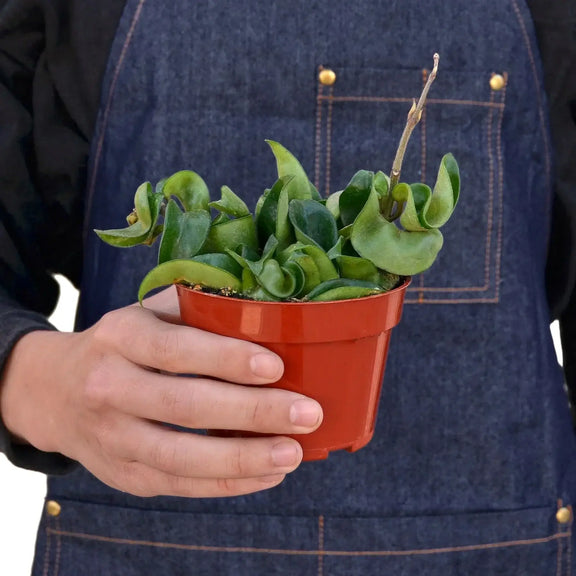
313, 223
189, 188
268, 252
260, 203
288, 165
310, 275
342, 289
354, 196
358, 269
326, 268
336, 250
147, 208
284, 229
222, 261
243, 254
154, 234
381, 184
398, 251
278, 281
426, 209
414, 199
313, 262
273, 215
446, 192
230, 204
160, 186
220, 219
333, 204
260, 294
231, 234
184, 233
176, 271
388, 281
249, 283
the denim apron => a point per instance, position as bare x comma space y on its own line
472, 467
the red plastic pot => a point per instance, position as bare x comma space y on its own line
334, 352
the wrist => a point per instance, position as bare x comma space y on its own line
25, 389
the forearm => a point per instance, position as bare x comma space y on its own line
24, 356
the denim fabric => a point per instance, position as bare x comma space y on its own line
474, 448
103, 541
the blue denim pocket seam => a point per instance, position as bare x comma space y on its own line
324, 557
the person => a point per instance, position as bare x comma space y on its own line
472, 467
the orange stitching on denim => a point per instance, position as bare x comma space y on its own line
454, 301
318, 146
559, 549
329, 141
539, 97
423, 158
448, 289
409, 100
500, 190
58, 550
490, 196
569, 544
47, 553
320, 545
423, 133
106, 115
292, 552
464, 102
365, 99
421, 289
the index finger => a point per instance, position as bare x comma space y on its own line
146, 340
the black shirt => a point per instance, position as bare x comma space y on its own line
53, 55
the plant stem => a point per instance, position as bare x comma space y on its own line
414, 117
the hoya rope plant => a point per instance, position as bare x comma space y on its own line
297, 246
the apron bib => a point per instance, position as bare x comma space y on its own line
471, 469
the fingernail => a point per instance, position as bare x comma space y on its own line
266, 366
305, 413
285, 454
274, 479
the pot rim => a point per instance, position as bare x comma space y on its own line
247, 302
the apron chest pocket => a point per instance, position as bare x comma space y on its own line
359, 121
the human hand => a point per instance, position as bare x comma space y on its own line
104, 396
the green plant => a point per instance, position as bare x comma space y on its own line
298, 246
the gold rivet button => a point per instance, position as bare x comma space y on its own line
327, 77
53, 508
497, 82
564, 515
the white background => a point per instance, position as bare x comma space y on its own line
22, 492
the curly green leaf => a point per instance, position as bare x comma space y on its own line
313, 223
189, 271
398, 251
184, 233
288, 165
231, 234
343, 289
189, 188
230, 204
424, 208
147, 209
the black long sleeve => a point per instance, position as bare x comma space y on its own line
52, 59
556, 29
